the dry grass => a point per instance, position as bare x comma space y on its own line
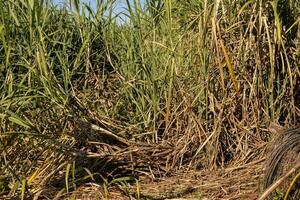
241, 182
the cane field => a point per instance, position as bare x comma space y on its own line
166, 99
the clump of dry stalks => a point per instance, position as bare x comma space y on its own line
283, 163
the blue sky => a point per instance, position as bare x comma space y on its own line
120, 5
